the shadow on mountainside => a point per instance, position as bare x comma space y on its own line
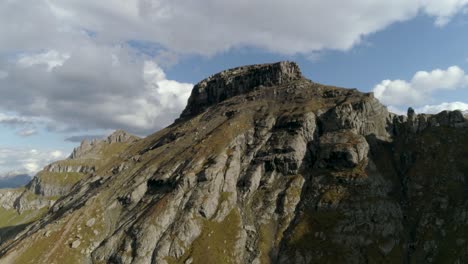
8, 232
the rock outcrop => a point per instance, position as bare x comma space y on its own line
8, 198
89, 148
120, 136
265, 166
241, 80
25, 205
415, 123
58, 178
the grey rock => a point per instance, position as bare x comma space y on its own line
88, 148
75, 244
91, 222
342, 149
120, 136
8, 198
417, 123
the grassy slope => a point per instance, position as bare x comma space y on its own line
11, 219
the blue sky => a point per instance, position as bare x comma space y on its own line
80, 68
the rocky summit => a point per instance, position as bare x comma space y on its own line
263, 166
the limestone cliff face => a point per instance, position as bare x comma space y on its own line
265, 166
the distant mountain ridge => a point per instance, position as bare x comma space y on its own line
14, 180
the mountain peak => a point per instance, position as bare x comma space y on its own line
89, 146
240, 80
121, 136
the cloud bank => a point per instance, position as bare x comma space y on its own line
421, 88
80, 138
26, 161
25, 126
92, 87
211, 26
433, 109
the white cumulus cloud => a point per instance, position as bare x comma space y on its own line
443, 10
421, 87
433, 109
92, 87
27, 161
211, 26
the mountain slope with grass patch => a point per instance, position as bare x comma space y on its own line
265, 166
